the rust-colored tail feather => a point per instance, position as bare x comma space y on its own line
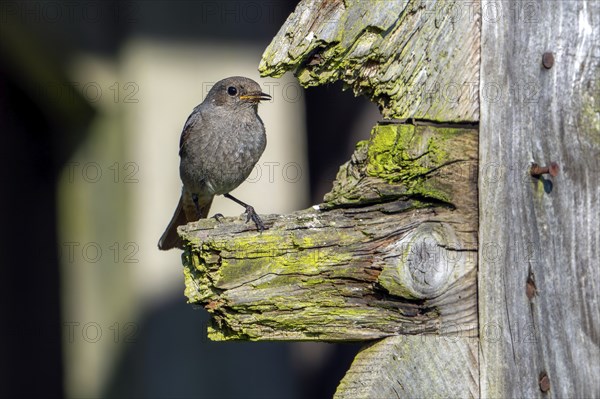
170, 239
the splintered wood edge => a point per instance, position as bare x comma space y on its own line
415, 59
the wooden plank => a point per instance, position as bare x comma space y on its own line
415, 59
539, 279
414, 367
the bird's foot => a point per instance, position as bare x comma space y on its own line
252, 215
250, 212
219, 217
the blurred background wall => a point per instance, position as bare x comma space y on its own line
93, 96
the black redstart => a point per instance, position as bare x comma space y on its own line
221, 142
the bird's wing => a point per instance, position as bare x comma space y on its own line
192, 120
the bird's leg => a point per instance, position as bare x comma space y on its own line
250, 212
195, 199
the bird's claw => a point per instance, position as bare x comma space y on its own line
252, 215
219, 217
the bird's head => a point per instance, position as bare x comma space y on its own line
237, 92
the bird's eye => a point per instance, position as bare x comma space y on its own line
232, 91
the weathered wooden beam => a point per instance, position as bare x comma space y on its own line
415, 59
391, 251
539, 260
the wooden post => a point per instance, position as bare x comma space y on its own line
392, 252
539, 267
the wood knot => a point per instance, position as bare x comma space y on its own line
423, 263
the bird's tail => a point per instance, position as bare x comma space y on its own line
170, 239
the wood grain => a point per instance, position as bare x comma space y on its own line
414, 367
539, 279
414, 58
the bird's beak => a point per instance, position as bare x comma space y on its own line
255, 97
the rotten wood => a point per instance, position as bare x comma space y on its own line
415, 59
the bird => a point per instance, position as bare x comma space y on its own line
221, 142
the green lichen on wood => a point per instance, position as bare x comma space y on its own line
412, 58
589, 112
401, 154
317, 283
399, 161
